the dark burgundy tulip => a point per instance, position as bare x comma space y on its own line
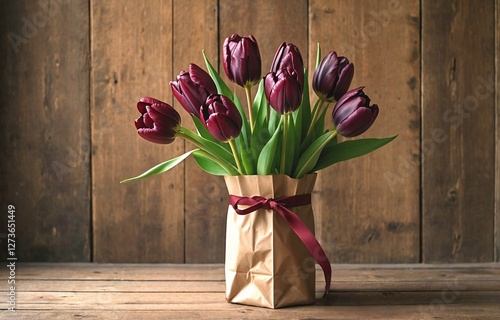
158, 122
353, 114
283, 91
192, 88
332, 78
288, 56
221, 117
242, 62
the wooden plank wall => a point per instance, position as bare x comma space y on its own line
458, 63
45, 128
74, 69
497, 130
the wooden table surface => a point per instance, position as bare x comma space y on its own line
168, 291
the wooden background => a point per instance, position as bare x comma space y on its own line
73, 70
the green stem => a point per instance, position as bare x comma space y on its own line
235, 154
334, 134
283, 145
188, 135
248, 91
317, 111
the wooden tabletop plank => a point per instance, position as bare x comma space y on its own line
419, 305
242, 312
219, 285
345, 272
216, 300
178, 291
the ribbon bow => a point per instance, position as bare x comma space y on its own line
280, 206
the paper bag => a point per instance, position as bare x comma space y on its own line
267, 265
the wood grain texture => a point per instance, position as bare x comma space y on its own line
367, 209
44, 128
195, 29
132, 57
497, 131
166, 291
458, 157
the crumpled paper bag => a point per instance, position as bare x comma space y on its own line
266, 264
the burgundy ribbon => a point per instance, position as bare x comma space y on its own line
281, 206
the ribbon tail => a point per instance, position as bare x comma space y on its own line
309, 240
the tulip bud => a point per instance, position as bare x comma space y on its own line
288, 56
221, 117
192, 88
332, 78
353, 114
158, 122
283, 91
242, 62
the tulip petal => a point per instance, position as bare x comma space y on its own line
154, 136
139, 123
148, 122
202, 78
275, 66
358, 122
167, 110
145, 101
368, 124
344, 81
348, 95
346, 109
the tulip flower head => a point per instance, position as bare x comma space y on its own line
193, 88
283, 90
221, 117
159, 122
332, 78
241, 59
353, 114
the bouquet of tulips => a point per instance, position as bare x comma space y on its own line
280, 133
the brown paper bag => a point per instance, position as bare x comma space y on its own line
266, 264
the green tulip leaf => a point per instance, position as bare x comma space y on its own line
269, 156
162, 167
309, 158
211, 147
292, 149
247, 160
302, 116
318, 56
259, 106
348, 150
245, 128
242, 141
260, 136
319, 128
222, 88
207, 164
274, 120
